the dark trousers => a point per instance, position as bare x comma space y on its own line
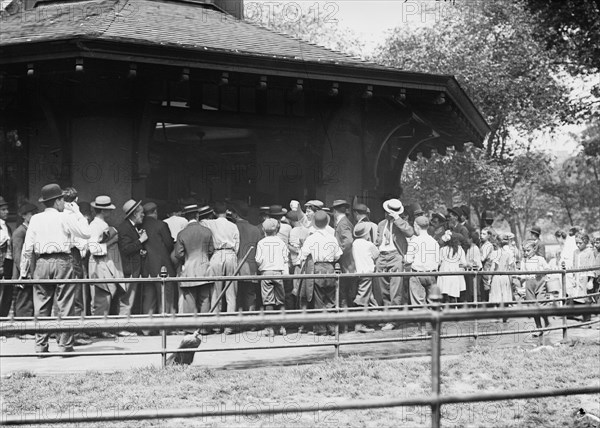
44, 295
24, 301
392, 292
324, 292
246, 296
6, 291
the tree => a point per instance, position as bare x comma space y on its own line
492, 50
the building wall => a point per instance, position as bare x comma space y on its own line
102, 158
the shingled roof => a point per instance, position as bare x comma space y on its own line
176, 23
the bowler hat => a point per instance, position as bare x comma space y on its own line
3, 203
360, 230
361, 209
26, 208
321, 219
51, 191
205, 211
340, 203
456, 211
393, 206
189, 209
536, 229
103, 202
276, 211
130, 206
466, 211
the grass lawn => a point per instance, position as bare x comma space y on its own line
485, 369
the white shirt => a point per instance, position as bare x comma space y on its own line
52, 232
176, 224
387, 240
322, 246
532, 264
5, 238
272, 254
297, 237
97, 229
225, 234
423, 252
364, 253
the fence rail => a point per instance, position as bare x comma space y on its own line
435, 316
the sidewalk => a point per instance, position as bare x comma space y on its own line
227, 353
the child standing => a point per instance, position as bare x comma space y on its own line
500, 287
535, 285
452, 258
364, 253
272, 259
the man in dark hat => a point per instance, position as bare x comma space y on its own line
361, 214
455, 215
132, 240
158, 246
535, 232
6, 262
50, 235
24, 294
437, 226
249, 237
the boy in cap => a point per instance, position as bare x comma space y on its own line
361, 214
24, 294
324, 250
364, 253
272, 259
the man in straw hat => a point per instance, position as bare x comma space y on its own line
324, 251
105, 260
132, 240
24, 294
226, 242
392, 235
50, 236
192, 250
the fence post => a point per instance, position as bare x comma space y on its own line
436, 348
163, 332
476, 301
564, 296
337, 305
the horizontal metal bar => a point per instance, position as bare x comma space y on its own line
258, 409
290, 276
172, 323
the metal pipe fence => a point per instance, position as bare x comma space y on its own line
435, 314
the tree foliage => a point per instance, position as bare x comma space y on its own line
492, 52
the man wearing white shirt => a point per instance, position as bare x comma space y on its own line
50, 236
226, 242
424, 256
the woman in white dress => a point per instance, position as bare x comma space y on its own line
453, 259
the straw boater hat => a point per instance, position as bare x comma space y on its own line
205, 211
360, 230
189, 209
130, 206
102, 202
50, 192
393, 206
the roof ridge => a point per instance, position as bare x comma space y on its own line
298, 39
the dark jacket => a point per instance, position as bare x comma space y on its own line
343, 234
401, 230
130, 247
249, 237
159, 246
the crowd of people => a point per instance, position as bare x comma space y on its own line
72, 239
